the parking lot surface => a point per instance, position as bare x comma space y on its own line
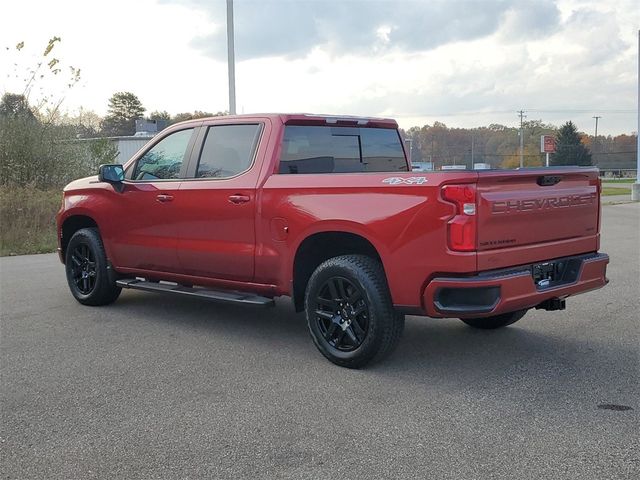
162, 387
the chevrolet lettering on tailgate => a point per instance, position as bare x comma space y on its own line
510, 206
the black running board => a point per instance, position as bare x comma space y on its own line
227, 296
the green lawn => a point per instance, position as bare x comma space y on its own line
618, 180
615, 191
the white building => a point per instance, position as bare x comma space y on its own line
128, 146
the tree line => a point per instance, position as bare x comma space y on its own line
42, 146
50, 150
499, 146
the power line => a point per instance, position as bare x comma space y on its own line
491, 112
615, 153
580, 110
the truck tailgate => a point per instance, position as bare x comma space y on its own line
533, 215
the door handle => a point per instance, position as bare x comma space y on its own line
238, 199
163, 197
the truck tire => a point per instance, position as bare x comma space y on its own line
497, 321
349, 311
86, 268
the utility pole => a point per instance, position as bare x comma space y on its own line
408, 143
231, 61
522, 117
473, 161
635, 189
595, 138
431, 156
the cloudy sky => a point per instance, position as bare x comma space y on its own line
465, 63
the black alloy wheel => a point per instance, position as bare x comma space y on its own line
89, 275
83, 268
342, 314
349, 311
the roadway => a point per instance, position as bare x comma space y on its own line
162, 387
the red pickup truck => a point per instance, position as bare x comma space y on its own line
326, 210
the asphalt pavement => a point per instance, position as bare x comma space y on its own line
170, 388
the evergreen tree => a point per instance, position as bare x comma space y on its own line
15, 105
124, 109
569, 148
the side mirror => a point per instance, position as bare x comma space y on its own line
113, 174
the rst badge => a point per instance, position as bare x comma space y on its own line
405, 181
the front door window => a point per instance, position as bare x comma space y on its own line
164, 160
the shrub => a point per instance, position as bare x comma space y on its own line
27, 219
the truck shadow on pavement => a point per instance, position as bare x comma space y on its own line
527, 358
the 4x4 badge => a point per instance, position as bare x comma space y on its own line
405, 181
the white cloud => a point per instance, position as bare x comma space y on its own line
417, 61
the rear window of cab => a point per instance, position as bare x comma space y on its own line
327, 149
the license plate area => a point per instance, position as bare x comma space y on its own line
555, 273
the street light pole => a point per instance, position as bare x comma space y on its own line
522, 116
231, 61
635, 189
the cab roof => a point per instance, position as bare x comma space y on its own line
312, 119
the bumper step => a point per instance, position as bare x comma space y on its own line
227, 296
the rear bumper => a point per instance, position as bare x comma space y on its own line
501, 291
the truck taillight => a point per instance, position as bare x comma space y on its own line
463, 227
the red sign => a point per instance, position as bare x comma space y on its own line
547, 144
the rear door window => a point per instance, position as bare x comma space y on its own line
228, 150
318, 149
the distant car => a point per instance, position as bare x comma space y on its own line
422, 166
481, 166
325, 210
